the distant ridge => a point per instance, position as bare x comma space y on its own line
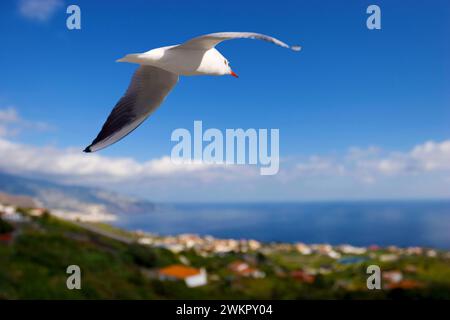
19, 201
67, 197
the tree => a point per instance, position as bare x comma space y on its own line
5, 227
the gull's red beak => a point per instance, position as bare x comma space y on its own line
234, 74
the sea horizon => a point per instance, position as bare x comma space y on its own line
401, 223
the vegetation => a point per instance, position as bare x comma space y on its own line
5, 227
33, 266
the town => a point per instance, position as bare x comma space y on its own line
209, 267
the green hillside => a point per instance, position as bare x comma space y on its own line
33, 266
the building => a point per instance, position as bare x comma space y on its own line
243, 269
303, 276
191, 276
393, 276
6, 237
37, 212
303, 248
15, 217
7, 210
432, 253
388, 257
145, 241
348, 249
406, 284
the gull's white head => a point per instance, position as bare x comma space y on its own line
214, 63
228, 68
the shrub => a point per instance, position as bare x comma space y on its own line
5, 227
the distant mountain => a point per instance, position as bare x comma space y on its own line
20, 201
72, 198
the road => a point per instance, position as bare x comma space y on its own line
93, 228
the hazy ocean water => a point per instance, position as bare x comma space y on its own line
412, 223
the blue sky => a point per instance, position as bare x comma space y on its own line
384, 92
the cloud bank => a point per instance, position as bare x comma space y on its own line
372, 162
422, 171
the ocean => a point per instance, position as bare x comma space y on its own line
400, 223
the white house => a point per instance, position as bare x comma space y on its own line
191, 276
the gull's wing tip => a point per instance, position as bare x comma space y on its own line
296, 48
88, 149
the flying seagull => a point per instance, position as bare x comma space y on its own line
157, 75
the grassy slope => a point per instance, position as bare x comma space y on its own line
34, 267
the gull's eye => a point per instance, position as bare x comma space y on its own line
225, 61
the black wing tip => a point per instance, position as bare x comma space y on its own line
88, 149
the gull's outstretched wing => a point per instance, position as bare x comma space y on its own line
147, 90
209, 41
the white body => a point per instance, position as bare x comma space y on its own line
183, 61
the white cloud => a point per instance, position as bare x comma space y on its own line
39, 10
358, 173
432, 155
372, 163
319, 165
423, 171
8, 115
11, 124
72, 164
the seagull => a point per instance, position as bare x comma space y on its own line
157, 75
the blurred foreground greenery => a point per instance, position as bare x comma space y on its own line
33, 266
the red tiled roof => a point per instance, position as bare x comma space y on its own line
178, 271
6, 237
405, 284
242, 268
302, 276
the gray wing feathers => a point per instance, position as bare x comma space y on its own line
147, 90
209, 41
